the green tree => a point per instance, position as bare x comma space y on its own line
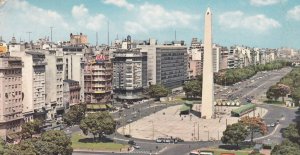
278, 90
54, 142
99, 123
234, 134
286, 148
193, 88
2, 146
292, 133
75, 114
157, 91
31, 128
24, 147
254, 124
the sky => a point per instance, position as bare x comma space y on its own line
254, 23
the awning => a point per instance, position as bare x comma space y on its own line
109, 106
96, 106
13, 136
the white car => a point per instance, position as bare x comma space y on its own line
136, 146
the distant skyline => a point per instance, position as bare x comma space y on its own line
254, 23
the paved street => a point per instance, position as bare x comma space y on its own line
253, 87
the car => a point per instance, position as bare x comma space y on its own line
131, 142
128, 136
136, 146
168, 140
273, 125
159, 140
129, 121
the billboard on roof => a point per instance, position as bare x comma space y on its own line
3, 48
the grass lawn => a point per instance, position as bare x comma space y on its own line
273, 102
238, 152
83, 142
218, 152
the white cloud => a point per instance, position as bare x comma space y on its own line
134, 27
156, 17
20, 16
2, 2
120, 3
238, 19
79, 11
294, 13
265, 2
86, 20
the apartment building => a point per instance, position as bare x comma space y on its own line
127, 75
98, 80
74, 63
54, 82
11, 96
71, 93
34, 87
166, 64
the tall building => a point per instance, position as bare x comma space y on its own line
166, 64
34, 87
74, 63
207, 109
54, 82
127, 73
98, 80
11, 95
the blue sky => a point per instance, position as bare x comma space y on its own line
255, 23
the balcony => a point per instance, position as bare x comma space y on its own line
39, 63
98, 86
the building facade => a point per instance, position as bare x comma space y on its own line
74, 63
34, 87
166, 64
71, 93
98, 79
127, 75
11, 96
54, 82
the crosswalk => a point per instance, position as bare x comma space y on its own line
142, 152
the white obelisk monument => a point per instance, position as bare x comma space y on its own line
207, 107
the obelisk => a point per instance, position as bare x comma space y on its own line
208, 75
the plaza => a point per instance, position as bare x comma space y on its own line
169, 123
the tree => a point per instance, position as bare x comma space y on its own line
284, 90
234, 134
292, 133
24, 147
254, 124
75, 114
54, 142
99, 123
157, 91
286, 147
2, 146
31, 128
193, 88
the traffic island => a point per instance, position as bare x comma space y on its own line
82, 142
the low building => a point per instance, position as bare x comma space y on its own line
71, 93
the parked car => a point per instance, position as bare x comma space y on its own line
128, 136
159, 140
